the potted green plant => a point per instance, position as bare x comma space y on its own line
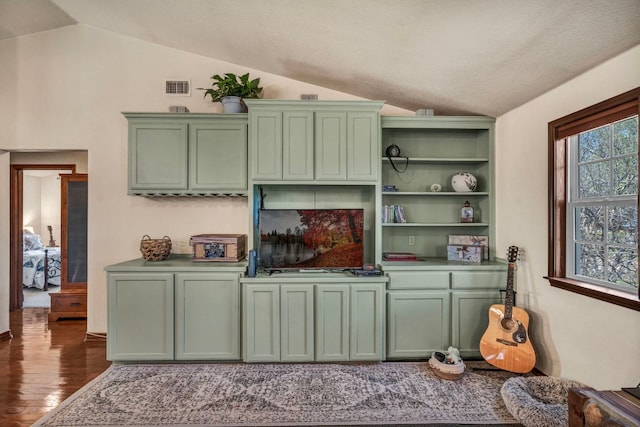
230, 89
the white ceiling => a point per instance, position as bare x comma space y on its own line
455, 56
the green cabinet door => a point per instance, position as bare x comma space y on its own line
140, 316
331, 146
363, 150
265, 133
366, 321
296, 320
332, 322
346, 146
297, 145
417, 323
261, 326
218, 155
157, 155
207, 310
470, 318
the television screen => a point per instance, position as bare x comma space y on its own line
311, 238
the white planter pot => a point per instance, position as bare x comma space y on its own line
232, 104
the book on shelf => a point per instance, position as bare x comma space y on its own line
399, 256
393, 214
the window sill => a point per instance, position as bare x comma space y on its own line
598, 292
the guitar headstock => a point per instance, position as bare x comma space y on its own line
512, 254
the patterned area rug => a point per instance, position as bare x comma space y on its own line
390, 393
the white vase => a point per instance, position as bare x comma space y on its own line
232, 104
464, 182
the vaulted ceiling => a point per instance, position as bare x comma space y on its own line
455, 56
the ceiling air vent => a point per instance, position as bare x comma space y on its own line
177, 87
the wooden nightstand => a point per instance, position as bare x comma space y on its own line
68, 303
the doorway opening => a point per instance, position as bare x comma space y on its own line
41, 228
35, 223
35, 206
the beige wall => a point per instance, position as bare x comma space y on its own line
32, 202
575, 336
65, 90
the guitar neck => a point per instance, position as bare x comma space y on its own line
509, 297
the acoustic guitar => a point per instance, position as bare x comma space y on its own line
506, 344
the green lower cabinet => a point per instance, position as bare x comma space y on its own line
367, 322
332, 322
417, 323
296, 323
470, 318
305, 322
207, 317
140, 317
261, 324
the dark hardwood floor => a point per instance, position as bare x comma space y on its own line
43, 364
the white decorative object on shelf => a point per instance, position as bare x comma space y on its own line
464, 182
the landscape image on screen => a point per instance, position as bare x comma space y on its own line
311, 238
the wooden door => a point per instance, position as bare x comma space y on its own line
71, 301
73, 236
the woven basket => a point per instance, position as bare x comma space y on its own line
155, 249
445, 370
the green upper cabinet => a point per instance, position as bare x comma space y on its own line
331, 146
187, 154
218, 155
158, 155
314, 141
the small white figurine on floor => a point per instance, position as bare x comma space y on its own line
453, 356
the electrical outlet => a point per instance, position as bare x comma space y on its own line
412, 240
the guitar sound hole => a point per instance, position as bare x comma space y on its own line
507, 324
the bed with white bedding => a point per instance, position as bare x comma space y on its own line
33, 263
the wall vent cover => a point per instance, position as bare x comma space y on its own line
175, 87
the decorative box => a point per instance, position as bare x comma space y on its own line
219, 247
465, 253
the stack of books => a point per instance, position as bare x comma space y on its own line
393, 213
399, 256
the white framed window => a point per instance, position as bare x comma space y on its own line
602, 206
593, 201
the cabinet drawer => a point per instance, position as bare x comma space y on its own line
478, 280
69, 302
419, 280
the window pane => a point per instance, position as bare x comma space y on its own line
625, 137
594, 144
623, 267
590, 261
593, 180
623, 225
590, 221
625, 175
